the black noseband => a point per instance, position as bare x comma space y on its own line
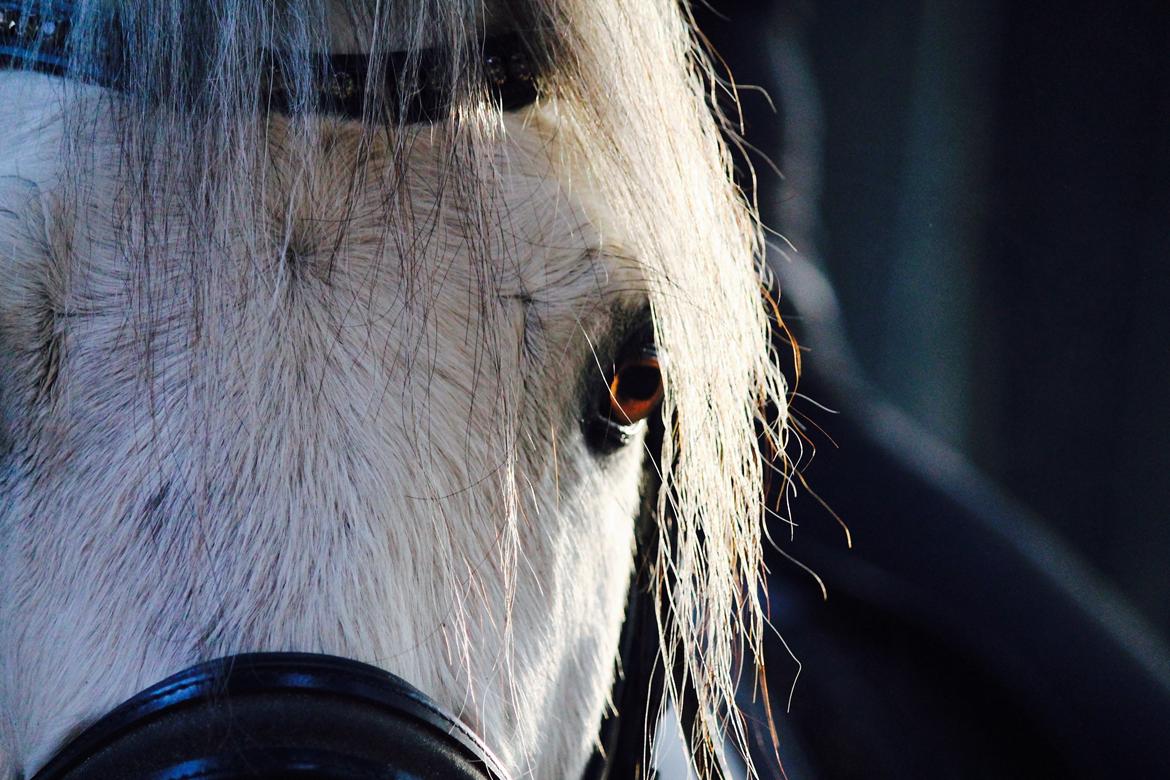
277, 715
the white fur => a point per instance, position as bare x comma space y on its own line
332, 424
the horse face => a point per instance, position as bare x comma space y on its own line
357, 430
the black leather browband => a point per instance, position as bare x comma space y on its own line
41, 42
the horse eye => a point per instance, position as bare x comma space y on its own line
631, 393
635, 390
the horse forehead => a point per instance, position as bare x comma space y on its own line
335, 287
546, 226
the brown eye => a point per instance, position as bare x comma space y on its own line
628, 392
634, 391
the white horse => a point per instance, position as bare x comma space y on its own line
283, 380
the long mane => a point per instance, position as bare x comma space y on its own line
633, 93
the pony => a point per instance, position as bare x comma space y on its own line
272, 379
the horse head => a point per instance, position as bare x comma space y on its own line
336, 327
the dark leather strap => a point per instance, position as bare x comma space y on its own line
639, 686
41, 42
270, 715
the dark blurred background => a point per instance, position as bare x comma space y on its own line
987, 185
974, 199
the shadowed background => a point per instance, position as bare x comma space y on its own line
977, 196
988, 189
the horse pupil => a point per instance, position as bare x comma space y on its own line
639, 382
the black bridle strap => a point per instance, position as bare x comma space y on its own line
345, 86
